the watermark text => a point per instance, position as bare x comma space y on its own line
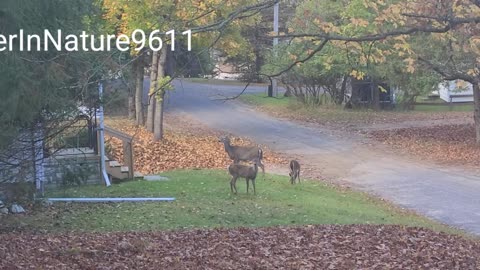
56, 40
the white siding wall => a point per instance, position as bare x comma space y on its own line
444, 92
449, 91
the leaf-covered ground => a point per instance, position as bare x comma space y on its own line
451, 143
308, 247
186, 145
350, 120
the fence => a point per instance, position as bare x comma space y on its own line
82, 134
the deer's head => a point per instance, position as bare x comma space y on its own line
224, 139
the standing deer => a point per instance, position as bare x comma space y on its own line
294, 171
243, 153
243, 171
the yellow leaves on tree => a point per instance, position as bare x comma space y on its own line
402, 46
473, 71
292, 57
359, 75
327, 64
359, 22
391, 14
328, 27
459, 84
474, 44
410, 64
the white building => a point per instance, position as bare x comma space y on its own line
456, 91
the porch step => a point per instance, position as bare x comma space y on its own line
114, 163
118, 171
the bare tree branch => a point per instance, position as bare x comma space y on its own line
303, 60
447, 75
450, 24
238, 95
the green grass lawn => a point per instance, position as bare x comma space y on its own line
263, 100
330, 113
203, 200
291, 108
439, 108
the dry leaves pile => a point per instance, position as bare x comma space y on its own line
452, 143
180, 148
310, 247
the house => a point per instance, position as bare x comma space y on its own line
456, 91
66, 158
366, 92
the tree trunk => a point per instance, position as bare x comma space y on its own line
158, 128
353, 102
341, 95
375, 96
140, 71
476, 113
153, 88
131, 104
150, 113
131, 96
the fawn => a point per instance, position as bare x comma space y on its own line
294, 171
243, 171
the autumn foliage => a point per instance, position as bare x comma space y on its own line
184, 146
310, 247
449, 144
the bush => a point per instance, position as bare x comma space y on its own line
75, 173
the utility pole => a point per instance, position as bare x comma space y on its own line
101, 135
275, 42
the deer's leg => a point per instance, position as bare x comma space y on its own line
232, 185
253, 183
235, 184
260, 164
299, 176
247, 183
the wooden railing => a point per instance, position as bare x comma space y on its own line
127, 143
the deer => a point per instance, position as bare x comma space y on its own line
243, 171
294, 171
243, 153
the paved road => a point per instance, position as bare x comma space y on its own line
449, 195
